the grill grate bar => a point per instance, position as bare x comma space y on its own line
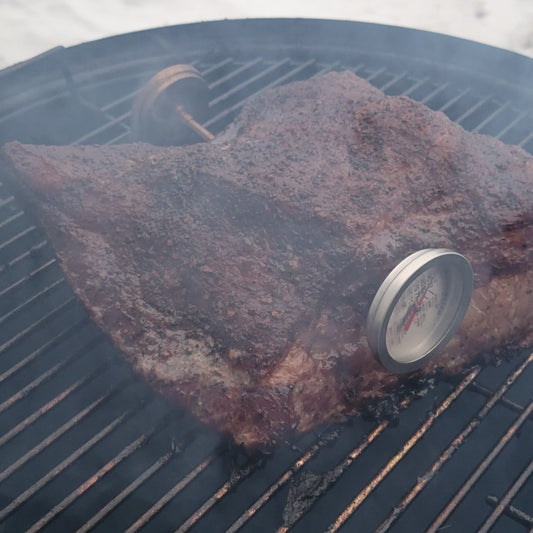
66, 462
24, 391
408, 445
113, 121
491, 117
217, 66
234, 480
55, 435
118, 101
357, 68
176, 489
230, 75
436, 525
42, 348
454, 100
338, 471
287, 75
376, 73
369, 438
6, 201
524, 141
18, 236
517, 408
90, 524
312, 451
506, 500
472, 109
513, 512
31, 300
244, 84
450, 450
416, 86
27, 278
228, 111
278, 81
28, 253
328, 68
42, 320
512, 124
74, 495
393, 81
34, 105
47, 407
11, 218
434, 93
356, 452
120, 137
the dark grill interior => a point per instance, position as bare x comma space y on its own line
85, 445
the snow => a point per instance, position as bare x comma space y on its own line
29, 27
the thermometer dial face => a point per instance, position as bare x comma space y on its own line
418, 308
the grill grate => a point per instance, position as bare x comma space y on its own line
86, 446
482, 114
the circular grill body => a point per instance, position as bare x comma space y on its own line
85, 445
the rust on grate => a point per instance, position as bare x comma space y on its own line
24, 391
343, 466
60, 507
98, 517
51, 438
148, 515
339, 470
281, 481
450, 450
48, 406
361, 497
54, 472
235, 478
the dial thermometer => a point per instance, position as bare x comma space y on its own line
418, 308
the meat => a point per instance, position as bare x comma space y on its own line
236, 276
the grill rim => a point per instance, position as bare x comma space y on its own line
436, 51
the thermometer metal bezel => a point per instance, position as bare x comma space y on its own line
396, 283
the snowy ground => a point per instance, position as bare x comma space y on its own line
29, 27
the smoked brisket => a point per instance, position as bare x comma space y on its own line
236, 276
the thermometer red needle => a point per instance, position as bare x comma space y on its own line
418, 304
